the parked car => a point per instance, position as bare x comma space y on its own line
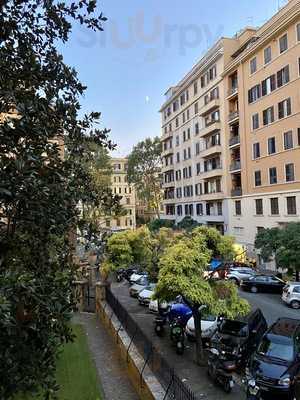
263, 283
209, 325
241, 336
291, 294
146, 294
154, 305
139, 285
237, 274
136, 276
275, 366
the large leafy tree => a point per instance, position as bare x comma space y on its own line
39, 190
283, 244
144, 171
181, 272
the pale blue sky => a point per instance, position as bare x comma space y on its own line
147, 46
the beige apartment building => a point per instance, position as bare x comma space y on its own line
121, 187
262, 83
193, 140
231, 132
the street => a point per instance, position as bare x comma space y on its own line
271, 305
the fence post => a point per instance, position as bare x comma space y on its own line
79, 294
144, 366
127, 353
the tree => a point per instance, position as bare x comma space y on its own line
144, 169
187, 223
181, 272
283, 244
39, 190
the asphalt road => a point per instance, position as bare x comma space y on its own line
271, 305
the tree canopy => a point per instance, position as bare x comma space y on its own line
39, 188
144, 169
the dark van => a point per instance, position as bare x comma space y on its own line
275, 366
239, 338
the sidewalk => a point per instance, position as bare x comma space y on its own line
111, 371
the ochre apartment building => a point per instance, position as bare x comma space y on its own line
231, 132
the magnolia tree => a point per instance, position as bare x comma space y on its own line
181, 272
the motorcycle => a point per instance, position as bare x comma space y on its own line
177, 334
160, 321
120, 274
220, 369
253, 392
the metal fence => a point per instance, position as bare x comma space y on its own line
174, 387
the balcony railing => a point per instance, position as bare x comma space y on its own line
232, 90
238, 191
235, 165
234, 140
233, 115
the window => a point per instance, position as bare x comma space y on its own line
267, 54
273, 175
183, 118
291, 205
257, 178
188, 134
283, 43
127, 200
238, 207
195, 88
178, 193
268, 116
255, 121
199, 209
256, 150
274, 206
220, 208
259, 207
197, 148
284, 108
271, 145
179, 210
212, 72
177, 140
182, 99
178, 157
283, 76
196, 128
198, 168
254, 94
177, 122
289, 172
253, 65
196, 108
188, 114
298, 32
198, 189
268, 85
288, 140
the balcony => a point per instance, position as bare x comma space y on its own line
213, 126
211, 150
211, 196
235, 166
167, 151
210, 106
236, 192
233, 116
232, 92
234, 141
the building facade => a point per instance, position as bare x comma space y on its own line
231, 132
121, 187
263, 126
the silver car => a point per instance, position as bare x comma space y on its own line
139, 285
236, 275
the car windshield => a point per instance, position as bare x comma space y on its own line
276, 349
142, 281
151, 287
210, 318
235, 328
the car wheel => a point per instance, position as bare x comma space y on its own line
295, 304
254, 289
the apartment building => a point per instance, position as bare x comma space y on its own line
121, 187
193, 140
262, 86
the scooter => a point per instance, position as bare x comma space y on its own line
160, 321
253, 391
220, 369
177, 334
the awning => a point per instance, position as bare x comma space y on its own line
214, 264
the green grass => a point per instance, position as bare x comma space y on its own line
76, 373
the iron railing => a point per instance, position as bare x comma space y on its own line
174, 387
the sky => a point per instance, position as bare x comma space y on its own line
146, 47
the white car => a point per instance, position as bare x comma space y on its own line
291, 294
146, 294
140, 285
135, 277
153, 305
209, 324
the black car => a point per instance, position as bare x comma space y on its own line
239, 338
275, 366
263, 283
